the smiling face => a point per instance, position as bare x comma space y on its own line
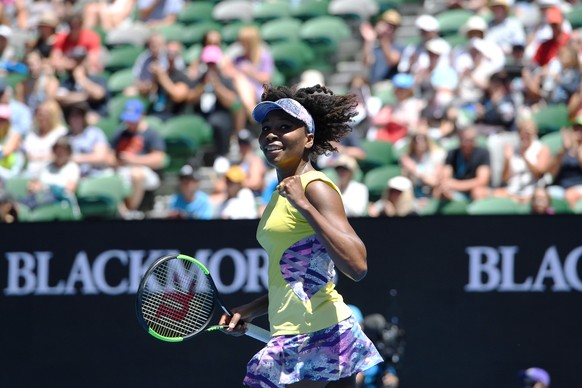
284, 140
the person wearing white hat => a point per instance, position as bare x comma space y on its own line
397, 199
355, 194
415, 54
503, 28
482, 59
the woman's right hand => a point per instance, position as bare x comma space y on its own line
237, 322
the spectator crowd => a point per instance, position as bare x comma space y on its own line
480, 104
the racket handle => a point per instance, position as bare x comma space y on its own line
258, 333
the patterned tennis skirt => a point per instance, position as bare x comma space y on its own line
330, 354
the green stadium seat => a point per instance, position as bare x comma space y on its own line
196, 12
309, 9
443, 207
575, 16
377, 178
551, 118
109, 125
267, 11
353, 12
325, 33
187, 138
192, 53
61, 211
385, 5
122, 58
553, 140
378, 153
281, 30
17, 187
494, 206
230, 31
99, 197
578, 207
172, 32
231, 11
291, 58
450, 21
120, 80
194, 34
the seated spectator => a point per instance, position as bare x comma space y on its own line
397, 199
525, 165
534, 378
393, 122
10, 163
8, 209
421, 163
155, 55
253, 67
170, 85
549, 49
108, 15
20, 120
415, 54
40, 84
381, 50
76, 37
214, 97
239, 202
541, 202
566, 166
139, 155
45, 35
466, 173
210, 38
190, 202
563, 81
437, 80
80, 84
38, 143
483, 59
495, 111
7, 52
504, 29
58, 180
159, 13
355, 194
252, 164
91, 149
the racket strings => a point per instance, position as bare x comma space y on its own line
178, 299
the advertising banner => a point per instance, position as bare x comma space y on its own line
477, 298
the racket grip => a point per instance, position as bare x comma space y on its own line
258, 333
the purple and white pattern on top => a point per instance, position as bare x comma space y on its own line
307, 267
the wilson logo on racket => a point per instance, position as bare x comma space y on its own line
176, 300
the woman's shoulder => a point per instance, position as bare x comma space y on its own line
316, 175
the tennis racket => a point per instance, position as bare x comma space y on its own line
176, 300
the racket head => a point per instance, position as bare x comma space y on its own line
176, 298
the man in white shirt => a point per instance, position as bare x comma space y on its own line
355, 194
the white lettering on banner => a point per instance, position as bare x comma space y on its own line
29, 273
493, 269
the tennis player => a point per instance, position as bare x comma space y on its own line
316, 342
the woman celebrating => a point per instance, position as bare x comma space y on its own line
316, 341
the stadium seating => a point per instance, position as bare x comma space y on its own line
267, 11
309, 9
551, 118
494, 206
450, 21
195, 12
120, 58
281, 30
99, 197
443, 207
120, 80
378, 153
377, 178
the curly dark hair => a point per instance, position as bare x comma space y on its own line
332, 113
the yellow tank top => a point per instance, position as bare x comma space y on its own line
302, 295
